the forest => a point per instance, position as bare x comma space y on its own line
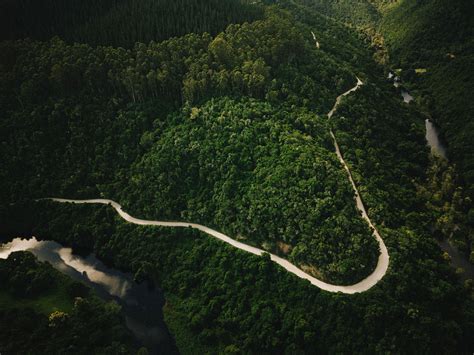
80, 82
215, 112
120, 23
439, 66
431, 43
264, 174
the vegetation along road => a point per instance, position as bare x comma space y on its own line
364, 285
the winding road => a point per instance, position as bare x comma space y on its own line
364, 285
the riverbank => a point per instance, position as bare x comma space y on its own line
141, 306
43, 311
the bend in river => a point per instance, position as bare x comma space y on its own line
364, 285
141, 306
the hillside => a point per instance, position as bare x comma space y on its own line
432, 42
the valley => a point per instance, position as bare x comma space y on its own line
273, 213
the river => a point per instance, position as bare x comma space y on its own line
407, 98
432, 134
141, 306
458, 259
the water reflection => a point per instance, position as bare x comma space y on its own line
61, 258
432, 138
407, 98
114, 285
141, 306
18, 245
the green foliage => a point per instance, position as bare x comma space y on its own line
424, 37
436, 36
111, 97
226, 129
21, 275
386, 150
451, 207
360, 12
265, 174
26, 283
67, 85
221, 298
120, 22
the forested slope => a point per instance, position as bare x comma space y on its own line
58, 96
387, 155
433, 43
265, 174
119, 22
110, 97
360, 13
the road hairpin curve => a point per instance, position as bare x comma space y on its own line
361, 286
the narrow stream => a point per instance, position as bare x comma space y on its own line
141, 306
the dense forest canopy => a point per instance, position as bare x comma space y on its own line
246, 60
432, 42
221, 298
215, 112
430, 45
120, 22
261, 173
